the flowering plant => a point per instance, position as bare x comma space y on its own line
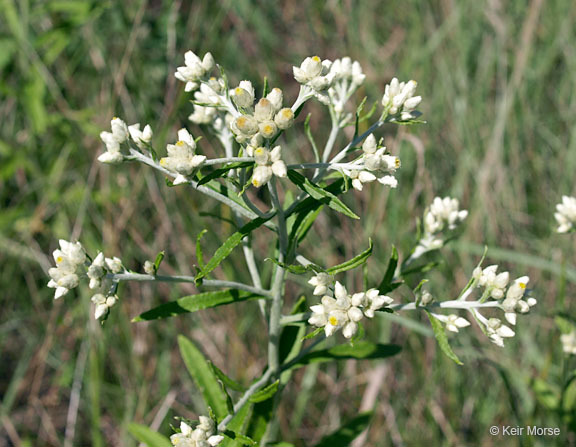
255, 135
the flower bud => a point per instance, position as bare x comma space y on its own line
268, 129
264, 110
246, 124
284, 118
275, 97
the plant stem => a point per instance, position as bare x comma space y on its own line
116, 277
274, 326
244, 399
215, 161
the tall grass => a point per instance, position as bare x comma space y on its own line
498, 85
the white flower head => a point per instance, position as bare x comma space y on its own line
195, 70
399, 98
569, 343
181, 157
103, 304
566, 214
204, 435
453, 322
141, 137
321, 282
114, 264
96, 271
268, 163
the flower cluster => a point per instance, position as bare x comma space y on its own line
344, 311
566, 214
569, 342
399, 99
207, 100
268, 163
262, 120
64, 276
511, 297
120, 133
345, 77
204, 435
374, 164
315, 74
195, 70
444, 214
182, 158
452, 322
70, 259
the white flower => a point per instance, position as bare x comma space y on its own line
96, 271
243, 95
149, 268
566, 214
141, 137
569, 343
68, 258
114, 264
514, 295
452, 322
103, 304
202, 436
181, 158
359, 178
315, 73
113, 140
497, 331
268, 163
399, 98
345, 77
284, 118
373, 301
244, 127
194, 69
443, 212
276, 97
321, 282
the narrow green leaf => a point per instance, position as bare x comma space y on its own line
344, 436
320, 194
230, 383
148, 436
386, 283
229, 245
313, 334
158, 260
265, 393
297, 269
441, 338
239, 439
362, 350
236, 426
221, 172
203, 376
352, 263
265, 88
199, 254
194, 303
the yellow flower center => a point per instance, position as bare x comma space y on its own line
287, 113
316, 59
180, 143
241, 122
522, 285
59, 259
238, 91
268, 129
333, 321
397, 163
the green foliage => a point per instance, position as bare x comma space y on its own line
320, 194
440, 334
229, 244
194, 303
347, 433
148, 436
204, 377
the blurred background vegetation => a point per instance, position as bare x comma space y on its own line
498, 83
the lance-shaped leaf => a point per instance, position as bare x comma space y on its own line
203, 376
227, 381
229, 245
361, 350
387, 284
148, 436
344, 436
235, 427
352, 263
265, 393
441, 338
194, 303
320, 194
